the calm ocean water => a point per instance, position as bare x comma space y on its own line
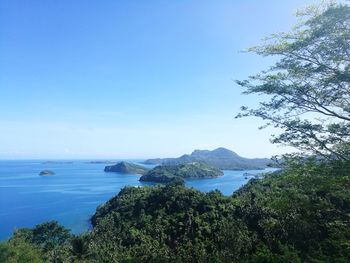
72, 195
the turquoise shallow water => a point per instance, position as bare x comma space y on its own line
73, 193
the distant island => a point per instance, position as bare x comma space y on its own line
126, 168
101, 161
57, 162
46, 173
220, 158
170, 173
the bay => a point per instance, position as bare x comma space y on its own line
72, 195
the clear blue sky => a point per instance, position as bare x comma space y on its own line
131, 79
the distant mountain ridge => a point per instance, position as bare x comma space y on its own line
221, 158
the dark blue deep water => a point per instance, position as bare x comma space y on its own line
73, 193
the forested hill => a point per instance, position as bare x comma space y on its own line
299, 215
169, 173
221, 158
126, 168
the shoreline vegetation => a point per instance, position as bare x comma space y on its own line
179, 172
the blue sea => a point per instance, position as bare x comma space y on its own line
72, 195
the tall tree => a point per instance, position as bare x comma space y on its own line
309, 85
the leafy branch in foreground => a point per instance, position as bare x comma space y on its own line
309, 85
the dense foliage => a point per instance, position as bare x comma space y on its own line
171, 173
299, 215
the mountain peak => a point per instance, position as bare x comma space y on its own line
223, 152
220, 158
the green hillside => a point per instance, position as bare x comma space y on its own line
126, 168
168, 173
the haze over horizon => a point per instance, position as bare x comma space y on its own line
124, 80
121, 158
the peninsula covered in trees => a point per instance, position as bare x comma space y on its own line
169, 173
